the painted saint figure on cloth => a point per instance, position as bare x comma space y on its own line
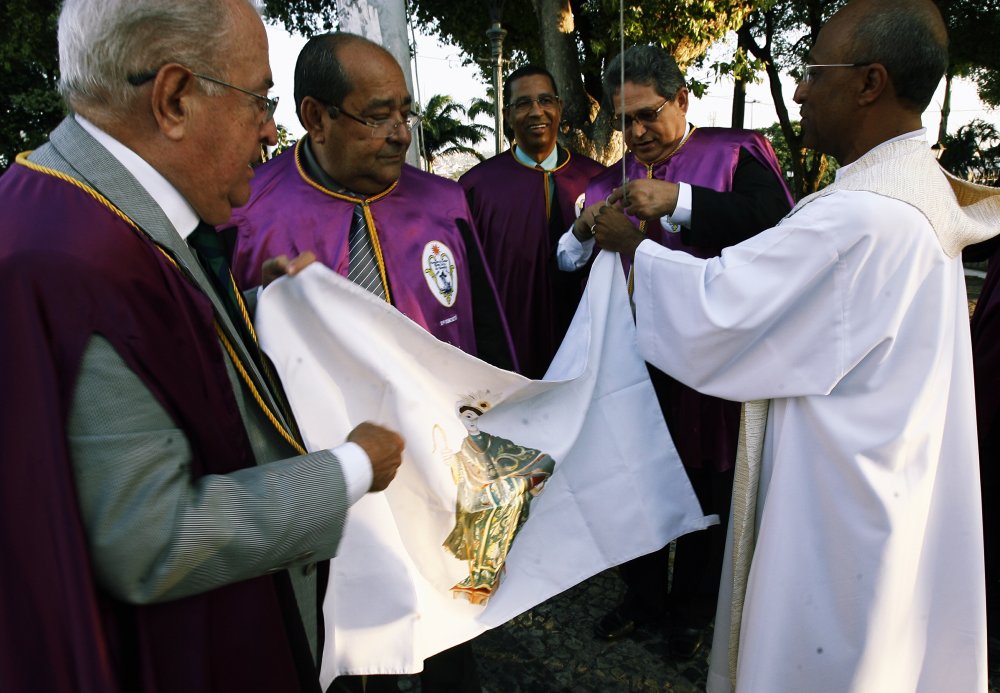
496, 481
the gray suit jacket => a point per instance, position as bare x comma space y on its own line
155, 533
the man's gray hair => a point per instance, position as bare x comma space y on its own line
648, 65
910, 40
103, 42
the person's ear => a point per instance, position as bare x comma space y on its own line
173, 100
311, 116
875, 83
682, 99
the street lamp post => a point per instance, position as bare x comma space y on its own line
496, 35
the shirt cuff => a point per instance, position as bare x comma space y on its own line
571, 253
682, 211
357, 469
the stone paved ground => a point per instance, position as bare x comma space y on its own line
551, 648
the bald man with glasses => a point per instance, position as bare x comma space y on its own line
855, 558
346, 193
697, 190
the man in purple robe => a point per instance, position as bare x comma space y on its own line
161, 522
698, 190
345, 193
522, 201
985, 332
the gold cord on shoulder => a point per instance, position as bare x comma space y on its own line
673, 151
22, 159
649, 176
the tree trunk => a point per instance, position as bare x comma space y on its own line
807, 171
585, 127
740, 87
792, 138
945, 106
739, 103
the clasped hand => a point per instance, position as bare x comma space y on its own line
281, 266
647, 199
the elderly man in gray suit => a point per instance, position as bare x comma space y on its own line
161, 522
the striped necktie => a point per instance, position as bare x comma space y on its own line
363, 267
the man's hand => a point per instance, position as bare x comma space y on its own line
615, 232
281, 266
647, 199
585, 222
384, 449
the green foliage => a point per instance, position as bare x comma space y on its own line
779, 37
285, 141
973, 27
573, 38
973, 152
743, 67
783, 34
812, 160
304, 17
483, 106
988, 82
445, 129
29, 104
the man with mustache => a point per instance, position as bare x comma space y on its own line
346, 193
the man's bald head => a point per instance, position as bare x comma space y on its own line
907, 37
320, 71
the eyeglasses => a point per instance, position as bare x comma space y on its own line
381, 129
268, 104
544, 101
646, 116
807, 72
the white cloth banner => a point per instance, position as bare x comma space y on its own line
618, 489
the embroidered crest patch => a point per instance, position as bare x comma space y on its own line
439, 271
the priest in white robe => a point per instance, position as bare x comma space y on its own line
854, 561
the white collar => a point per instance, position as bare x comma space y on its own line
898, 138
178, 211
548, 163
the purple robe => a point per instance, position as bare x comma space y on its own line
417, 227
985, 329
519, 229
704, 428
69, 269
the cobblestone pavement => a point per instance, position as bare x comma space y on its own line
551, 649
